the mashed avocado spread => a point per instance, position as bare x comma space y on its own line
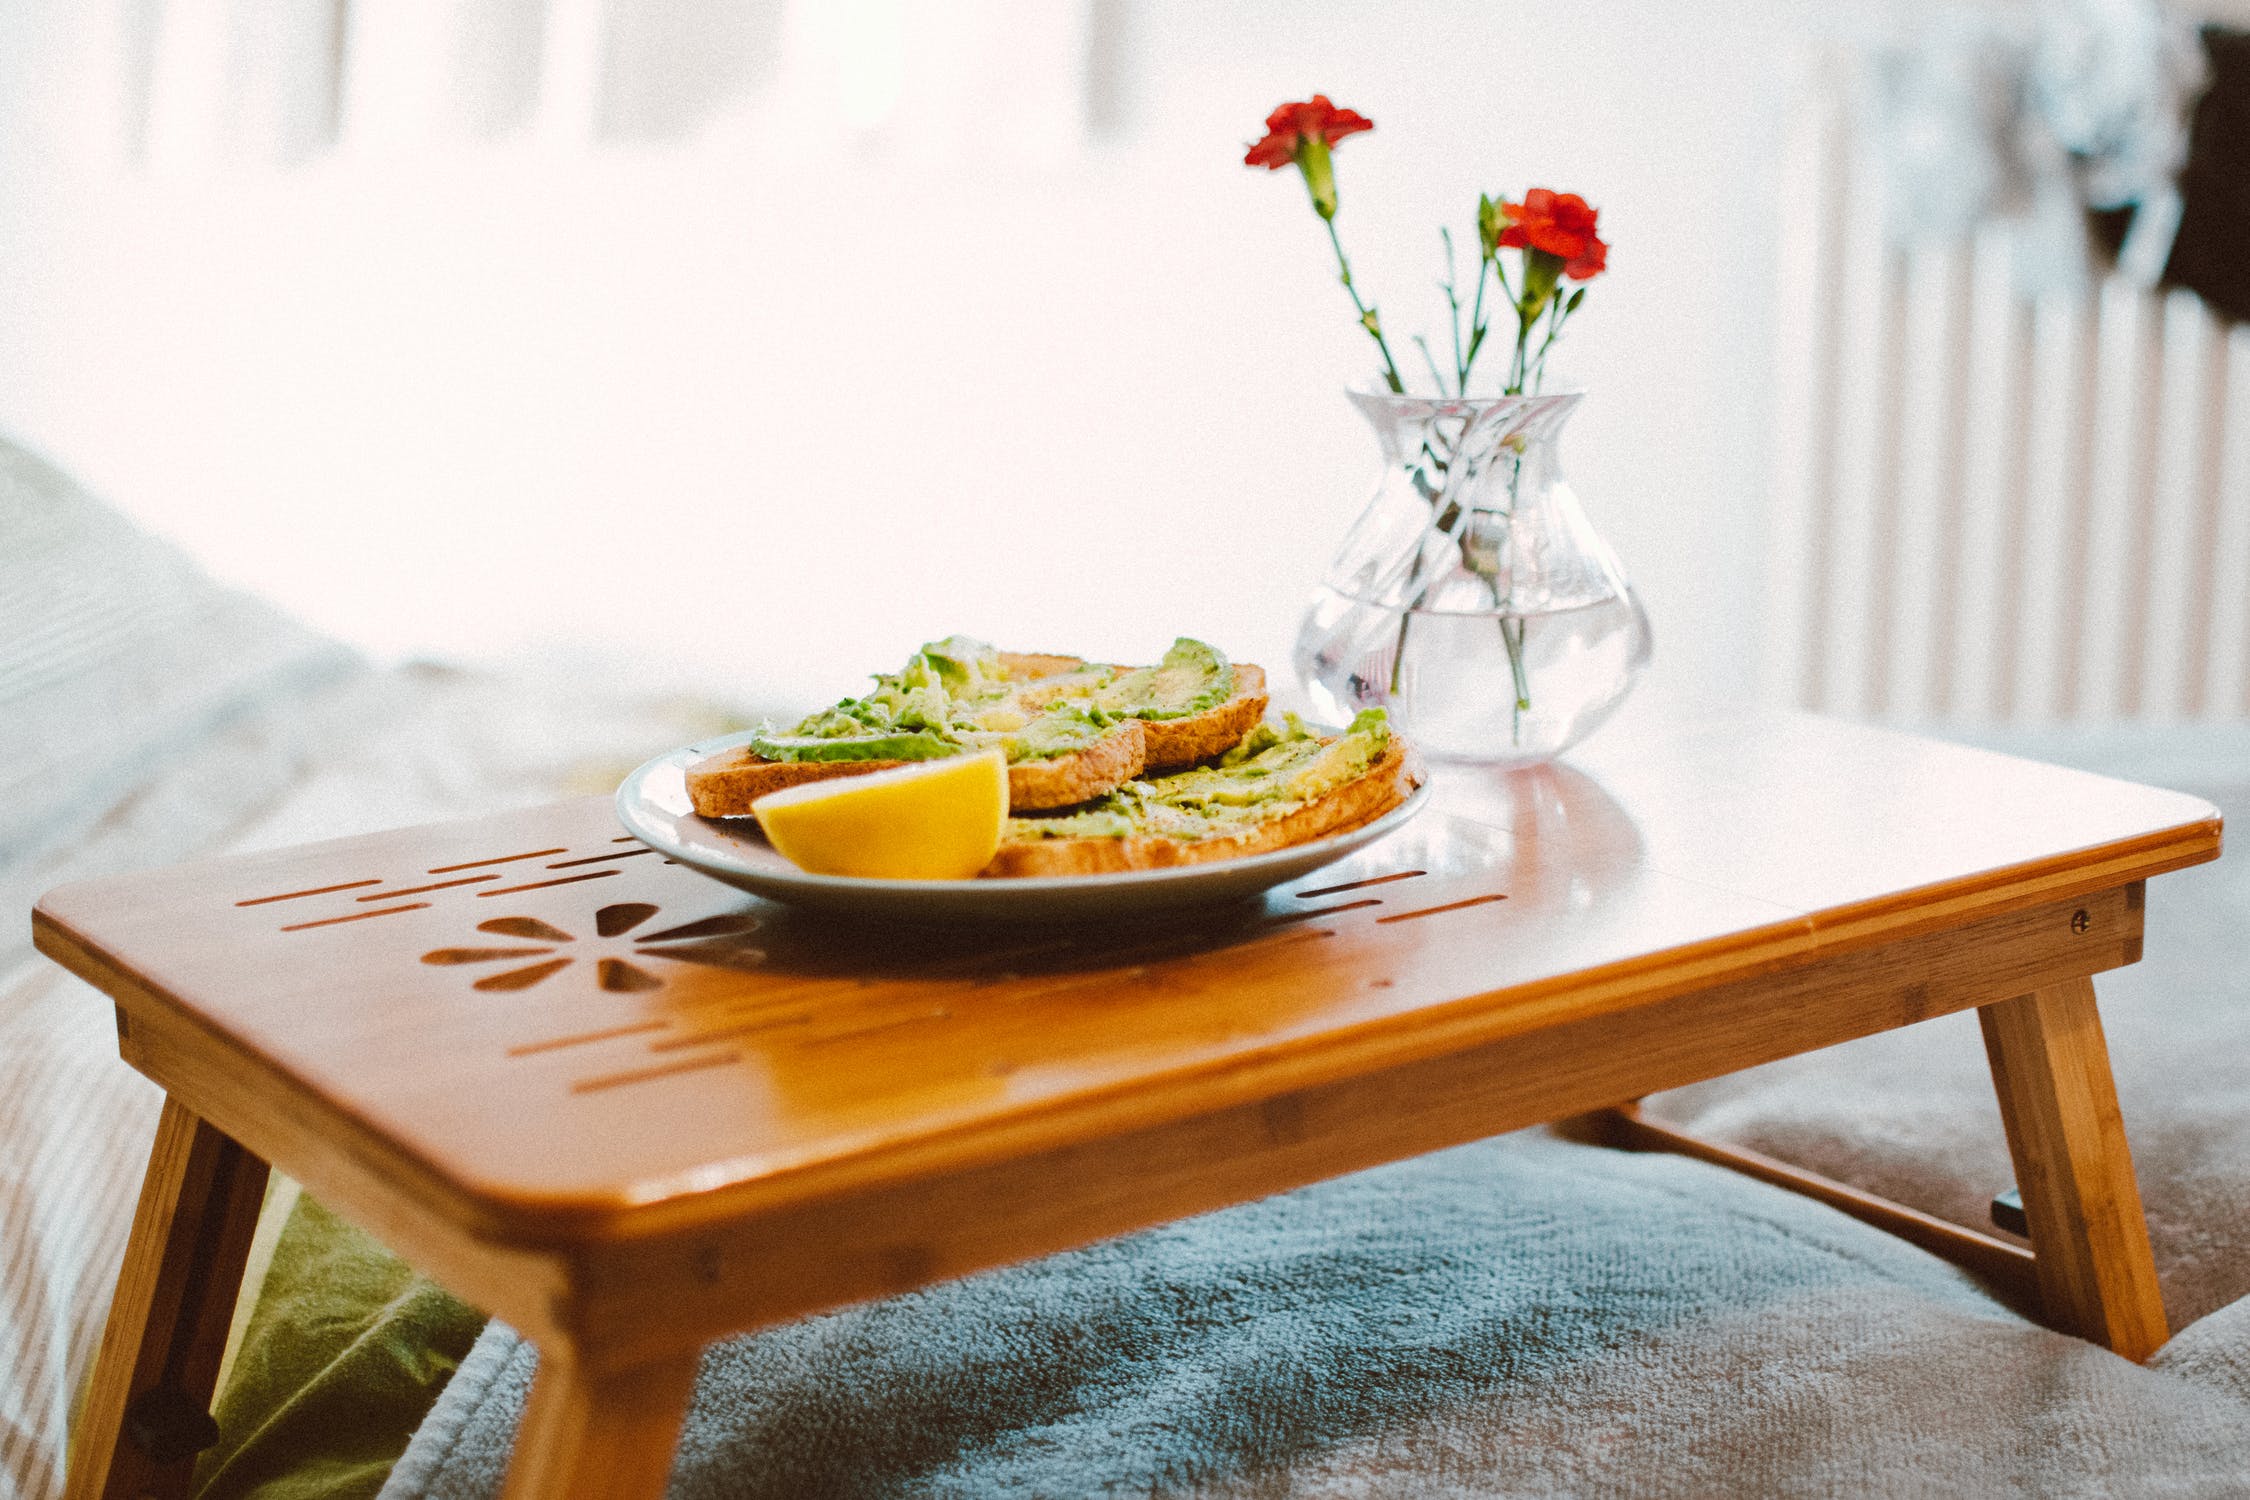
956, 695
1191, 678
1272, 773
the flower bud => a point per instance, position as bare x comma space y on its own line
1541, 270
1320, 174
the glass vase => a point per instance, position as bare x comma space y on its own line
1472, 598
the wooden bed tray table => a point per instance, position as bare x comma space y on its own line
631, 1110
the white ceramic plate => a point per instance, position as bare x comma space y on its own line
653, 806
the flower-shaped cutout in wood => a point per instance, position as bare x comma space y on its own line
718, 942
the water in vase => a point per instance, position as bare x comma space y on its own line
1472, 599
1499, 689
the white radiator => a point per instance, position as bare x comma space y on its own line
1988, 509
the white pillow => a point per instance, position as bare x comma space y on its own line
75, 1127
124, 675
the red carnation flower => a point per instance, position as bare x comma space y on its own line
1561, 225
1291, 125
1301, 136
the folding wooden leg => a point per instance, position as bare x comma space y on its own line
147, 1413
607, 1433
2005, 1269
2097, 1277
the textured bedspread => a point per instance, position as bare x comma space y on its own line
1523, 1317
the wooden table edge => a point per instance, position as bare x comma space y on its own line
2028, 883
139, 1004
2161, 851
534, 1223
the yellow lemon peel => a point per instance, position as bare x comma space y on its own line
935, 820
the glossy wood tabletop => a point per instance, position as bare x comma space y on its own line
552, 1032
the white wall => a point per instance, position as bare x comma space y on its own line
764, 406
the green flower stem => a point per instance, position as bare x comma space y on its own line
1453, 316
1560, 314
1431, 494
1367, 318
1513, 640
1476, 324
1430, 359
1398, 652
1514, 384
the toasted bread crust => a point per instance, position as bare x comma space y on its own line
727, 784
1108, 763
1176, 743
1384, 786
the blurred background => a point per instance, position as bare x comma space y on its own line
744, 344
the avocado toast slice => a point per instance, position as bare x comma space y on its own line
1072, 730
1280, 786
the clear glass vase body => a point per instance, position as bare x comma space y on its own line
1472, 598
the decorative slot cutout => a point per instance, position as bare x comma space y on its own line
523, 978
596, 859
728, 925
660, 1070
525, 927
417, 890
1322, 911
540, 885
481, 955
723, 953
1082, 959
503, 859
1431, 911
582, 1038
1358, 885
826, 1038
1283, 935
622, 917
619, 976
715, 942
318, 890
357, 916
727, 1033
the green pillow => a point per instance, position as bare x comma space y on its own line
343, 1354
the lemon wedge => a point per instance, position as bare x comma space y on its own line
939, 820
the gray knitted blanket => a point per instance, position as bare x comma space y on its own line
1519, 1317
